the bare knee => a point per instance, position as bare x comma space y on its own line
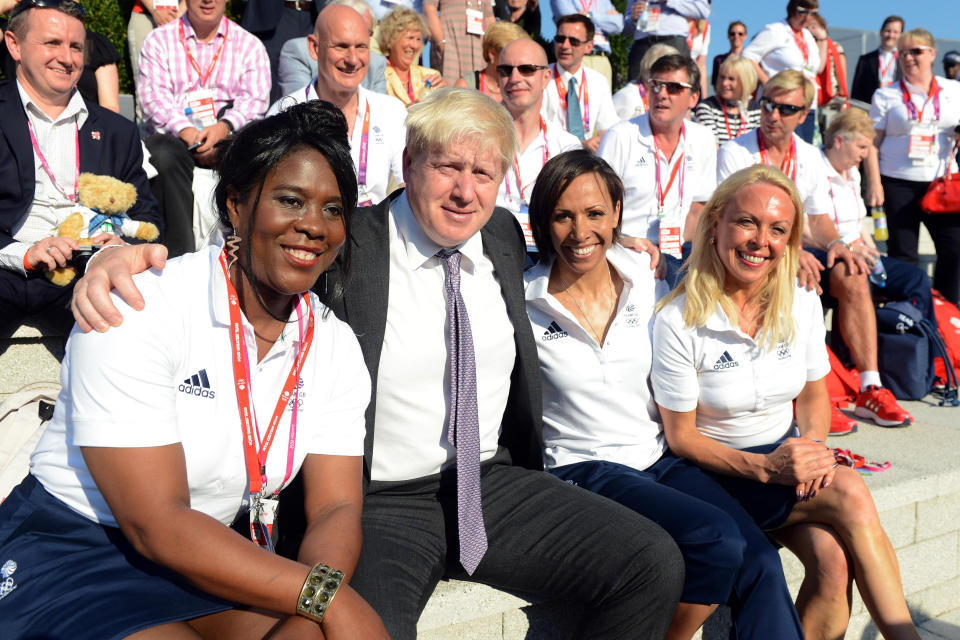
852, 503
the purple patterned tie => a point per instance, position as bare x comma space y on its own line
463, 424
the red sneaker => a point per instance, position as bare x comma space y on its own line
840, 424
878, 404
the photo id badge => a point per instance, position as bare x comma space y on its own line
653, 18
166, 4
600, 41
923, 147
670, 240
475, 22
263, 513
523, 217
199, 107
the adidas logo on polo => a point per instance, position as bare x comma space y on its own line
726, 361
554, 332
197, 385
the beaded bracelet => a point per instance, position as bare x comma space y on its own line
318, 591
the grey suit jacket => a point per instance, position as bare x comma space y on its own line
363, 305
297, 69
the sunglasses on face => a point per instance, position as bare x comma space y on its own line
574, 42
526, 70
673, 88
737, 34
914, 51
24, 5
785, 109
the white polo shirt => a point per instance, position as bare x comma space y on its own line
597, 403
628, 147
165, 376
595, 100
514, 194
387, 136
890, 115
848, 209
410, 439
776, 50
741, 391
628, 101
811, 182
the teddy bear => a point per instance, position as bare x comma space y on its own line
103, 203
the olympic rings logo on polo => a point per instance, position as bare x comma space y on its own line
726, 361
197, 385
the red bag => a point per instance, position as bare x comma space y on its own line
948, 322
843, 384
943, 194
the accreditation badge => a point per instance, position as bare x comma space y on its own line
923, 147
198, 106
263, 514
670, 233
475, 22
523, 217
653, 18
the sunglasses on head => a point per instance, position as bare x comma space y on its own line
574, 42
803, 12
25, 5
526, 70
785, 109
673, 88
914, 51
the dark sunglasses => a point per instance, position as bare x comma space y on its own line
742, 34
673, 88
914, 51
526, 70
785, 109
574, 42
26, 5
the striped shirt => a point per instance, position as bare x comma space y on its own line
710, 114
241, 75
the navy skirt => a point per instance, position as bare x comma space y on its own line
65, 576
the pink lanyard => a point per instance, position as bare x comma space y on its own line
364, 146
678, 167
912, 109
516, 161
836, 215
584, 93
586, 6
726, 120
884, 69
46, 165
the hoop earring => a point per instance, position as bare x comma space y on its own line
233, 245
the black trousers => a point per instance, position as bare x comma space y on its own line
639, 47
173, 189
33, 299
547, 539
902, 201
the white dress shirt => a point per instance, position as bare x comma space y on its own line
387, 138
629, 148
848, 208
595, 98
58, 140
410, 437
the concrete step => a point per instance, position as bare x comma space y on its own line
28, 356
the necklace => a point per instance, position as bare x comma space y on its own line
566, 289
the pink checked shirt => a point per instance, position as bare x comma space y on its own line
242, 74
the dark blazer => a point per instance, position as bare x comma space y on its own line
363, 305
866, 79
109, 145
264, 15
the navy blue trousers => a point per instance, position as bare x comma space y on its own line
728, 558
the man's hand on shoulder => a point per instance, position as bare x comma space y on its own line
592, 143
112, 269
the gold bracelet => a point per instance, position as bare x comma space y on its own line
318, 591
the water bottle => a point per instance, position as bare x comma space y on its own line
880, 231
644, 18
878, 275
193, 118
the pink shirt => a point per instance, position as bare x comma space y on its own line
241, 74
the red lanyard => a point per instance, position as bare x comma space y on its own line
726, 121
46, 165
836, 215
364, 147
801, 44
884, 69
661, 192
516, 161
483, 82
256, 459
789, 163
912, 109
584, 95
193, 61
692, 35
586, 6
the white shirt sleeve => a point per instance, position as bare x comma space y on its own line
729, 160
818, 200
122, 382
674, 371
763, 43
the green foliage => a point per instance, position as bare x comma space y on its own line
620, 51
109, 18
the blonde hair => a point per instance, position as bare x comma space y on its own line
788, 81
450, 116
848, 124
653, 54
395, 23
497, 36
742, 68
706, 274
918, 35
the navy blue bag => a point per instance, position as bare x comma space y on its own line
906, 345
